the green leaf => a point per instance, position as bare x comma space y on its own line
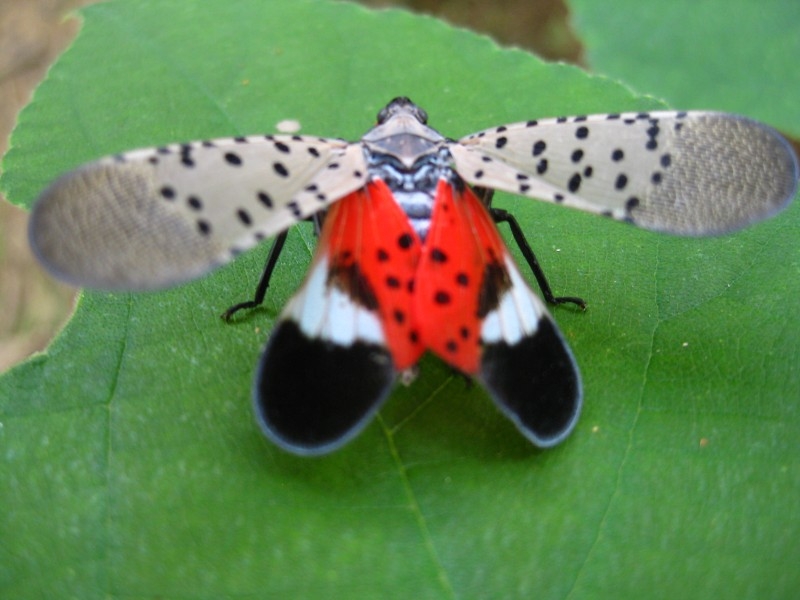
131, 464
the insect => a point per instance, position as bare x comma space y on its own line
409, 257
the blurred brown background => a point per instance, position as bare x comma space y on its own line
34, 32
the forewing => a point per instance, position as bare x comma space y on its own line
334, 355
478, 314
695, 173
157, 217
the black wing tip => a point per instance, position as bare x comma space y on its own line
536, 384
312, 396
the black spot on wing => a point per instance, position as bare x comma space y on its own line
233, 159
311, 396
186, 156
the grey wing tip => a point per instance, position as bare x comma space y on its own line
728, 172
784, 162
103, 226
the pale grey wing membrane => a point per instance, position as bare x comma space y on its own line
153, 218
695, 173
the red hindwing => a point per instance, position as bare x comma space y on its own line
429, 296
462, 247
367, 233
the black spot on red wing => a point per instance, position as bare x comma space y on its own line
535, 383
494, 284
451, 346
464, 332
405, 241
399, 316
382, 255
311, 396
462, 279
442, 297
392, 282
438, 255
413, 336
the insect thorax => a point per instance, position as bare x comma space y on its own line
414, 188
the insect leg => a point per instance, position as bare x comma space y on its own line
502, 216
263, 283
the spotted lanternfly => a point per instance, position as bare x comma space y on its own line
409, 256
